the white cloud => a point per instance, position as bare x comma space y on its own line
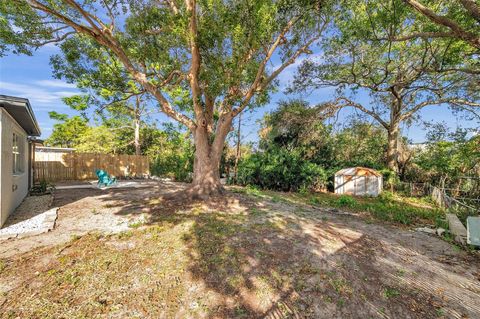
41, 97
55, 84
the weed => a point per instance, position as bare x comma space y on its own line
3, 265
386, 197
440, 312
441, 223
303, 190
136, 224
341, 286
401, 272
253, 190
276, 199
256, 212
346, 201
390, 292
75, 237
125, 234
314, 200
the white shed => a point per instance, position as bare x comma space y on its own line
359, 181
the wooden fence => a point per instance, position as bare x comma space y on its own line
62, 166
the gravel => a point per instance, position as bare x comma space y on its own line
32, 217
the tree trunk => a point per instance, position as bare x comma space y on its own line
206, 166
136, 124
138, 150
237, 155
392, 147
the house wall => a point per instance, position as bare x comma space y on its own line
13, 188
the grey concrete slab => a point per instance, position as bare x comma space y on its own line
457, 229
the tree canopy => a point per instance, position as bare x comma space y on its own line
401, 78
214, 53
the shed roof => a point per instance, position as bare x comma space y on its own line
353, 171
20, 109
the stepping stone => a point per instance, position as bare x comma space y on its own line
473, 231
457, 229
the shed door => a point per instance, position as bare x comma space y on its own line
360, 185
372, 186
349, 186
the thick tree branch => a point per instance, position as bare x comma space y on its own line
422, 35
453, 101
456, 29
472, 8
195, 63
105, 38
342, 102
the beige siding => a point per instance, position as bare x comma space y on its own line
13, 188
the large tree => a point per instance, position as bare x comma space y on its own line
399, 78
218, 51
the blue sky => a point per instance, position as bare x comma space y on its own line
31, 77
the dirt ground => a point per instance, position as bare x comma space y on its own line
126, 253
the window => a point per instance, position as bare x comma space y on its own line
18, 154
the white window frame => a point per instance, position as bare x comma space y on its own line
18, 154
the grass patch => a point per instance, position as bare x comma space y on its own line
390, 292
386, 207
346, 201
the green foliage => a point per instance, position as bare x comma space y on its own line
388, 207
97, 139
390, 178
446, 161
300, 153
386, 197
172, 155
346, 201
43, 187
280, 169
182, 55
68, 132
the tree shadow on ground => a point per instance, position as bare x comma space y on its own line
236, 256
253, 261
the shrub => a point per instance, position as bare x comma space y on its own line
390, 178
346, 201
280, 169
386, 197
174, 167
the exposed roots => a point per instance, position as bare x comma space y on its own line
200, 192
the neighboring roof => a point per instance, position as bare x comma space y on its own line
36, 141
353, 171
20, 109
54, 149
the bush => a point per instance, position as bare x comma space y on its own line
346, 201
280, 169
386, 197
390, 178
177, 166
